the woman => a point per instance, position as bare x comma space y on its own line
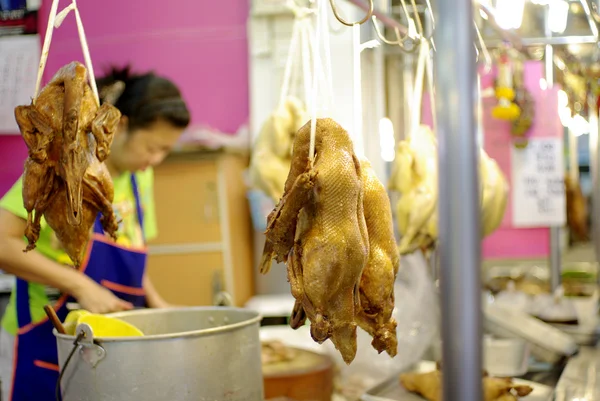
154, 116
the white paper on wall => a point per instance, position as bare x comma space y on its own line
538, 190
19, 62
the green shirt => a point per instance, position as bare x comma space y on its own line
129, 234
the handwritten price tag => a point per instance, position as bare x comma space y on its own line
538, 190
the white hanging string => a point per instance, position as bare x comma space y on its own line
287, 75
86, 54
327, 46
418, 90
430, 86
54, 22
321, 75
316, 62
45, 48
357, 83
306, 72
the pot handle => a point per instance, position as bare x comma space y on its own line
223, 299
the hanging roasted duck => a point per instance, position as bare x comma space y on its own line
68, 137
379, 275
318, 227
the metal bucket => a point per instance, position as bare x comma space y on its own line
197, 353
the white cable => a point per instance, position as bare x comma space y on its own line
316, 60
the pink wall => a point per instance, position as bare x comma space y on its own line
200, 45
508, 241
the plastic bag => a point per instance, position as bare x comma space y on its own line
417, 314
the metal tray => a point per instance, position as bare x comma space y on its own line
391, 390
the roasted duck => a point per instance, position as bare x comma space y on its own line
379, 275
319, 228
272, 152
429, 386
65, 180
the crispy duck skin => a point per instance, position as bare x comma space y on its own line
65, 180
379, 275
319, 228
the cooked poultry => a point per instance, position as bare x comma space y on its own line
494, 196
68, 137
379, 274
275, 352
414, 176
272, 153
429, 386
576, 211
318, 226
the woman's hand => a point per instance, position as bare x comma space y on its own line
97, 299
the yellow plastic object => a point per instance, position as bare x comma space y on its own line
104, 326
74, 316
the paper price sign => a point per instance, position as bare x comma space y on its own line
538, 190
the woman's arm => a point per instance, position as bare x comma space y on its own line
34, 267
153, 298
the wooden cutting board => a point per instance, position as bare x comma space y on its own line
308, 377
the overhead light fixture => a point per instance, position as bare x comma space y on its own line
558, 15
509, 13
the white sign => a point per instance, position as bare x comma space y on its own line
19, 62
538, 189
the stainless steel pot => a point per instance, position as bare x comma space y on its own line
196, 353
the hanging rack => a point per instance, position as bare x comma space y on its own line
399, 39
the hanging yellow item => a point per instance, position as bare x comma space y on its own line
506, 109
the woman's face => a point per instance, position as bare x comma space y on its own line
144, 147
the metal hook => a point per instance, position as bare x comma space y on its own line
399, 39
337, 16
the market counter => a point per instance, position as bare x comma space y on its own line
581, 378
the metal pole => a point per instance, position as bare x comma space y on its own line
555, 232
459, 220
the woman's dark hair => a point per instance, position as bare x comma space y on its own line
143, 98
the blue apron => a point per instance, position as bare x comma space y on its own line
117, 268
